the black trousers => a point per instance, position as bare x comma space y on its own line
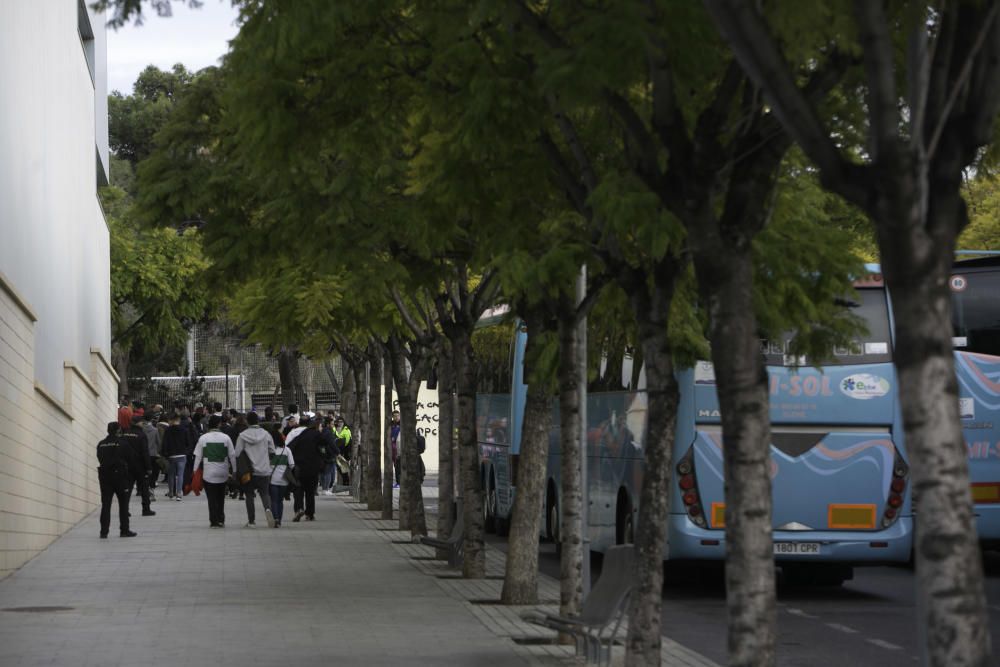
113, 485
141, 484
262, 485
216, 494
154, 472
306, 491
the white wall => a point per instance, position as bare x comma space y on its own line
54, 246
57, 389
427, 423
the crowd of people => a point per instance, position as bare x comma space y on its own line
269, 456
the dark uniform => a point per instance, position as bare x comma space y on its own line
113, 474
138, 469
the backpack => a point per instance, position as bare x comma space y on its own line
421, 444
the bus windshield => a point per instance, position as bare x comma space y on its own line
872, 346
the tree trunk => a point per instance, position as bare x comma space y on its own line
520, 584
725, 278
949, 567
411, 515
446, 432
290, 376
652, 315
387, 475
348, 399
332, 376
474, 560
120, 356
373, 473
360, 429
569, 531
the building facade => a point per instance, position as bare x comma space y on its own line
57, 387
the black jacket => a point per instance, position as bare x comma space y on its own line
305, 447
135, 440
176, 441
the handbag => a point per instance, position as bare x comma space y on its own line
244, 468
197, 484
289, 476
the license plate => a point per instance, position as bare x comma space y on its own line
799, 548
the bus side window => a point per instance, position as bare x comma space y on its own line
976, 312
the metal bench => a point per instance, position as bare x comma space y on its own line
455, 543
604, 608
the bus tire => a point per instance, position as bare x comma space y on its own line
503, 526
552, 518
624, 522
490, 506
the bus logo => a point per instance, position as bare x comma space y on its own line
864, 386
958, 283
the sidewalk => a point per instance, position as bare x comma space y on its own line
482, 597
347, 589
326, 592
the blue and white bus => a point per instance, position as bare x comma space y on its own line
975, 288
839, 471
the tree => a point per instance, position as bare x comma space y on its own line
920, 138
157, 276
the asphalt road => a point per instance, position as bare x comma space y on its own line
869, 621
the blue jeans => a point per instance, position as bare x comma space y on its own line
175, 475
277, 501
326, 478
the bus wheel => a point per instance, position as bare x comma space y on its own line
624, 526
490, 507
552, 520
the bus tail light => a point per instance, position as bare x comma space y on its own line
687, 480
900, 472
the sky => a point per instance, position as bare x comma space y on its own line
195, 37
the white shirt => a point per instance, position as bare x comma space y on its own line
278, 473
216, 449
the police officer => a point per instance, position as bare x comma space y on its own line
138, 469
113, 475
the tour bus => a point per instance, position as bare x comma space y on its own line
839, 471
975, 288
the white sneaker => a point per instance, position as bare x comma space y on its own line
177, 498
270, 517
250, 524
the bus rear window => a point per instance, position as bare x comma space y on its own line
873, 347
975, 311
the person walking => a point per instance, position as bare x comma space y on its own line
176, 447
309, 462
153, 447
394, 438
329, 473
138, 471
258, 446
342, 435
281, 460
112, 473
216, 451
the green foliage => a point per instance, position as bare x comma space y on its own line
133, 120
982, 195
804, 264
156, 280
123, 11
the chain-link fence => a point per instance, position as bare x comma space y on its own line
239, 376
